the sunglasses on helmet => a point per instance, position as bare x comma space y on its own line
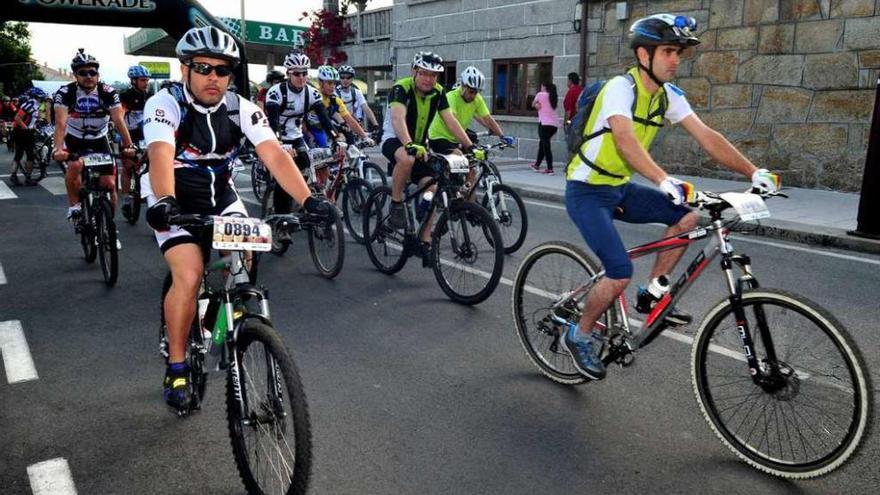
206, 69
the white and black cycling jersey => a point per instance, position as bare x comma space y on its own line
354, 100
88, 113
206, 141
292, 107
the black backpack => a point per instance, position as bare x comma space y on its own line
574, 135
232, 112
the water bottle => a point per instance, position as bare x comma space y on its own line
424, 204
218, 336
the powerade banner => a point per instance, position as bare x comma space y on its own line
175, 17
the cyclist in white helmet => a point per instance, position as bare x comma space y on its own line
193, 132
353, 97
328, 77
288, 105
413, 104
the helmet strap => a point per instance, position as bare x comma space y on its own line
650, 68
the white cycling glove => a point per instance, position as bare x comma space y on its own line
765, 181
678, 191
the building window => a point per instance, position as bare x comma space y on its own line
449, 76
517, 81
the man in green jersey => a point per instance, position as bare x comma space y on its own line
413, 103
465, 102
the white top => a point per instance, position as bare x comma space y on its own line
354, 100
619, 96
293, 114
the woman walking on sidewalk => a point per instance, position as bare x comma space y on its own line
548, 123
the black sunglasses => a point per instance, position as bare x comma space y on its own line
344, 77
299, 74
206, 69
87, 73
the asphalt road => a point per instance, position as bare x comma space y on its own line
408, 392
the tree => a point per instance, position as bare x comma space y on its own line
16, 69
328, 30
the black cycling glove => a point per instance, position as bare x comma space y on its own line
161, 213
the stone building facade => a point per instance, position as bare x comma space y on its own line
790, 82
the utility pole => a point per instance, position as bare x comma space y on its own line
869, 201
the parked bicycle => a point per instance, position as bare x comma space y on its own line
777, 377
466, 251
95, 225
266, 406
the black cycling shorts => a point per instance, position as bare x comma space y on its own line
24, 144
443, 146
420, 169
81, 147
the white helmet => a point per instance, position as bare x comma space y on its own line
428, 61
346, 69
473, 78
327, 73
210, 42
82, 59
296, 60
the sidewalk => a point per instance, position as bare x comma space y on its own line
808, 216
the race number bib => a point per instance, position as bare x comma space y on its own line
97, 160
241, 234
748, 206
457, 164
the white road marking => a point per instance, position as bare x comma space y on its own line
16, 354
739, 238
2, 276
51, 477
54, 185
5, 192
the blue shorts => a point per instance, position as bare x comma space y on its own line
593, 209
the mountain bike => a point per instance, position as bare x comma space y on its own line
502, 202
466, 251
94, 224
140, 168
326, 236
266, 408
778, 378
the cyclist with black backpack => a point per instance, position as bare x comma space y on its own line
616, 131
194, 130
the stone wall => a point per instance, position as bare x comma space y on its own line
790, 82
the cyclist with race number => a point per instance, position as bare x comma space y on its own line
288, 105
626, 116
328, 78
353, 98
83, 111
194, 130
413, 104
133, 100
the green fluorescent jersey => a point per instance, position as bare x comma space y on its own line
464, 113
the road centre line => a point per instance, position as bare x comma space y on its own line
15, 352
51, 477
5, 192
2, 275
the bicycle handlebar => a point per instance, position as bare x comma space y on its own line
706, 199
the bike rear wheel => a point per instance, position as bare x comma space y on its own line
467, 253
267, 208
354, 201
327, 245
543, 286
258, 179
508, 210
271, 438
385, 245
814, 410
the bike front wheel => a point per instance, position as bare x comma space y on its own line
267, 413
374, 175
354, 200
807, 408
467, 253
509, 211
86, 230
258, 179
554, 280
108, 253
327, 245
385, 245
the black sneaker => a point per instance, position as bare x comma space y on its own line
425, 254
126, 208
397, 216
586, 352
177, 388
13, 179
645, 302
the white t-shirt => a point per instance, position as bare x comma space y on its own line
354, 100
619, 96
293, 115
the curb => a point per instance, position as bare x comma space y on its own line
778, 229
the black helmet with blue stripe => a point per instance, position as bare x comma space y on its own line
663, 29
